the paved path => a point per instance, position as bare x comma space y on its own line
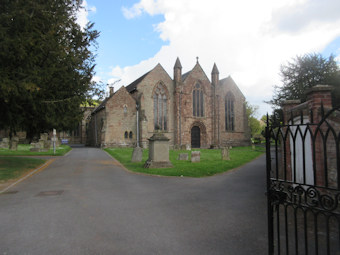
98, 208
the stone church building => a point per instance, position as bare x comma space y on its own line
189, 109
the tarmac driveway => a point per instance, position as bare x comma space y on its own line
84, 203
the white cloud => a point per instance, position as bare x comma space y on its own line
247, 39
82, 16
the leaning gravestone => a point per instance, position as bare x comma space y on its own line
13, 144
225, 153
183, 156
195, 156
137, 154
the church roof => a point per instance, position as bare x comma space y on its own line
132, 86
101, 106
184, 76
230, 82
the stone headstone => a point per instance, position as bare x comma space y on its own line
195, 156
4, 144
158, 152
13, 144
47, 144
44, 136
137, 154
188, 147
35, 147
183, 156
225, 153
42, 143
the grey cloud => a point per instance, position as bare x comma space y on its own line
294, 19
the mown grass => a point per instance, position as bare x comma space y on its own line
24, 150
210, 164
14, 167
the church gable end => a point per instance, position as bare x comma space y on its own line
121, 127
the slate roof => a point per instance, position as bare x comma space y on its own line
230, 82
132, 86
184, 76
101, 106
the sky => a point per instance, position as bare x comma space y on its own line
248, 40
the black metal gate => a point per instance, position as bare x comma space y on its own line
303, 184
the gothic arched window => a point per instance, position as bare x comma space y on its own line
229, 112
160, 108
197, 101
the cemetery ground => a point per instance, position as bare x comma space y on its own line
211, 162
14, 164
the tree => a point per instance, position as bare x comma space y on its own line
253, 122
46, 65
304, 72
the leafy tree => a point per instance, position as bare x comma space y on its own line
304, 72
253, 122
46, 65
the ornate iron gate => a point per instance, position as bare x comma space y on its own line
303, 184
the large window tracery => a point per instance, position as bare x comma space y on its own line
160, 108
197, 101
229, 112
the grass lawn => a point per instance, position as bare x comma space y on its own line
24, 150
13, 167
211, 162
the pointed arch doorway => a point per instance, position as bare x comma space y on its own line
195, 137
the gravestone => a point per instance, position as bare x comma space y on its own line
183, 156
35, 147
225, 153
158, 152
44, 142
4, 144
13, 144
137, 154
195, 156
188, 147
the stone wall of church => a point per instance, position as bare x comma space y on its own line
144, 95
120, 126
95, 129
240, 136
188, 120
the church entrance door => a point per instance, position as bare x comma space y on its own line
195, 137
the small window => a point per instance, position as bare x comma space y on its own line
125, 110
126, 134
130, 135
